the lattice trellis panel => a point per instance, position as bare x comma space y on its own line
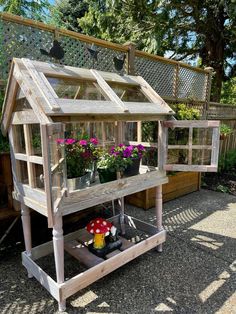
76, 54
22, 41
158, 74
191, 84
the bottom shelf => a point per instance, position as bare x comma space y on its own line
139, 238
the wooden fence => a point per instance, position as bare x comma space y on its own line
172, 80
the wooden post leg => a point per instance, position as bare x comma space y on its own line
58, 246
159, 205
26, 223
25, 216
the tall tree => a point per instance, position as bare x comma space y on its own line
34, 9
65, 14
188, 29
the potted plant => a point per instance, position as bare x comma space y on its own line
80, 155
225, 130
121, 158
131, 156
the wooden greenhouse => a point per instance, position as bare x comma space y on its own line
44, 102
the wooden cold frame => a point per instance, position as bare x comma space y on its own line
51, 113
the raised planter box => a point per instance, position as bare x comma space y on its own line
179, 184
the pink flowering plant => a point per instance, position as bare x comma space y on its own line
120, 157
80, 155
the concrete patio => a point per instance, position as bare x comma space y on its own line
196, 273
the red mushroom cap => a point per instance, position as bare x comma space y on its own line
99, 226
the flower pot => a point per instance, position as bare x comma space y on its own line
79, 182
105, 175
132, 169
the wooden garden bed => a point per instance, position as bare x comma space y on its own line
179, 184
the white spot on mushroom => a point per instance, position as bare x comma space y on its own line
92, 224
97, 230
91, 231
98, 221
104, 223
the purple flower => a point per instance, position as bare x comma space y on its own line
121, 145
83, 142
94, 141
60, 141
140, 147
127, 152
70, 141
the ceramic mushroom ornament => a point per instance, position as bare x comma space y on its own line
99, 227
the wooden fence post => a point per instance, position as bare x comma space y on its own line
176, 82
207, 91
129, 62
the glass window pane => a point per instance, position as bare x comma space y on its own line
128, 93
177, 156
36, 140
202, 136
39, 176
150, 158
19, 139
131, 131
201, 157
76, 89
178, 136
57, 183
22, 171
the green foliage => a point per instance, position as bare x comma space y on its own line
228, 93
65, 14
185, 29
222, 188
225, 129
185, 112
33, 9
227, 163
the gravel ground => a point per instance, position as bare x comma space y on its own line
194, 274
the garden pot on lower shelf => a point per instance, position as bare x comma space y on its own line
79, 182
105, 175
133, 169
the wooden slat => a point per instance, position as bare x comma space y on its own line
82, 254
45, 90
113, 253
29, 152
108, 90
191, 123
195, 168
102, 108
86, 278
125, 244
112, 190
9, 100
27, 87
24, 117
162, 146
46, 281
209, 147
46, 171
215, 146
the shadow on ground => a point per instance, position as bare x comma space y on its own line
194, 274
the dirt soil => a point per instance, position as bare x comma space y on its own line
221, 182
